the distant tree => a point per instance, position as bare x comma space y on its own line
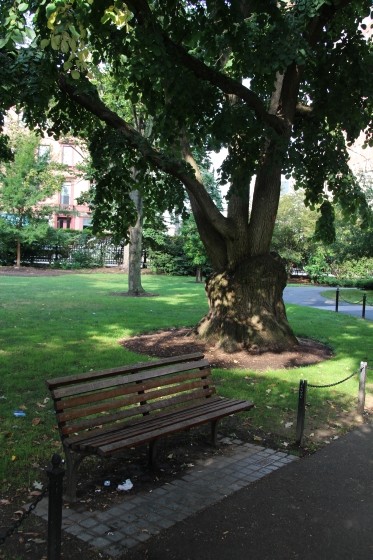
293, 235
26, 184
193, 245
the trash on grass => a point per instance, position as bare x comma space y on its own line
107, 483
19, 413
125, 486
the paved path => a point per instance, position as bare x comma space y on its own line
139, 517
310, 296
318, 508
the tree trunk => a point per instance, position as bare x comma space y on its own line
135, 249
199, 274
18, 257
246, 307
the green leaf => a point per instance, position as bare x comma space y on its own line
3, 41
50, 9
75, 74
23, 7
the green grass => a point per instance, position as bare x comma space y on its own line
53, 326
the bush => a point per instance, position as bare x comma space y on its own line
318, 267
365, 283
171, 258
355, 269
81, 258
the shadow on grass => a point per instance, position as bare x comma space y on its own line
69, 324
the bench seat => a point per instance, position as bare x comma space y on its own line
104, 412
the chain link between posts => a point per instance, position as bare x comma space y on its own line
334, 384
11, 530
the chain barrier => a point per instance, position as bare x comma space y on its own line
302, 395
11, 530
363, 302
333, 384
351, 302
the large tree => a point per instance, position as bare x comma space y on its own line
282, 84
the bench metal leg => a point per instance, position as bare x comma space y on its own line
73, 461
153, 446
214, 432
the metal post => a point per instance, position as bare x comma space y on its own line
302, 394
336, 300
364, 305
362, 379
55, 474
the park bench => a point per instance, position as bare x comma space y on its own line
104, 412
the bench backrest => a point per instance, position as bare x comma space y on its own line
100, 399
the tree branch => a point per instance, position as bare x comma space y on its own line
318, 23
227, 85
304, 110
92, 103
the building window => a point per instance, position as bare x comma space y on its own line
63, 223
67, 155
65, 194
87, 222
44, 151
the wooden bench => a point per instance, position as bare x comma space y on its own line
104, 412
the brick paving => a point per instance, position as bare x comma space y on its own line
141, 516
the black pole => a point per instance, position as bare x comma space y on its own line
336, 300
364, 304
301, 411
55, 474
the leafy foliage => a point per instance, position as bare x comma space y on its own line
160, 52
25, 185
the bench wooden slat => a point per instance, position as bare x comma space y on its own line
158, 432
122, 415
164, 416
106, 383
132, 368
129, 400
144, 426
71, 402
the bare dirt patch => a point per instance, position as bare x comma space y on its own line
183, 341
28, 271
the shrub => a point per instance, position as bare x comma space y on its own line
355, 269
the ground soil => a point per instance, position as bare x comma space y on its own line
179, 452
183, 341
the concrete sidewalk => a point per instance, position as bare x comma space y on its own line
317, 508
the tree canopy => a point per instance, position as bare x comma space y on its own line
283, 85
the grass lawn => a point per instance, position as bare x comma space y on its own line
53, 326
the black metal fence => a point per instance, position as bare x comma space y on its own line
92, 253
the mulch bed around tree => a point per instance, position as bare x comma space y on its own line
183, 341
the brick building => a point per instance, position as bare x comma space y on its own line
70, 214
